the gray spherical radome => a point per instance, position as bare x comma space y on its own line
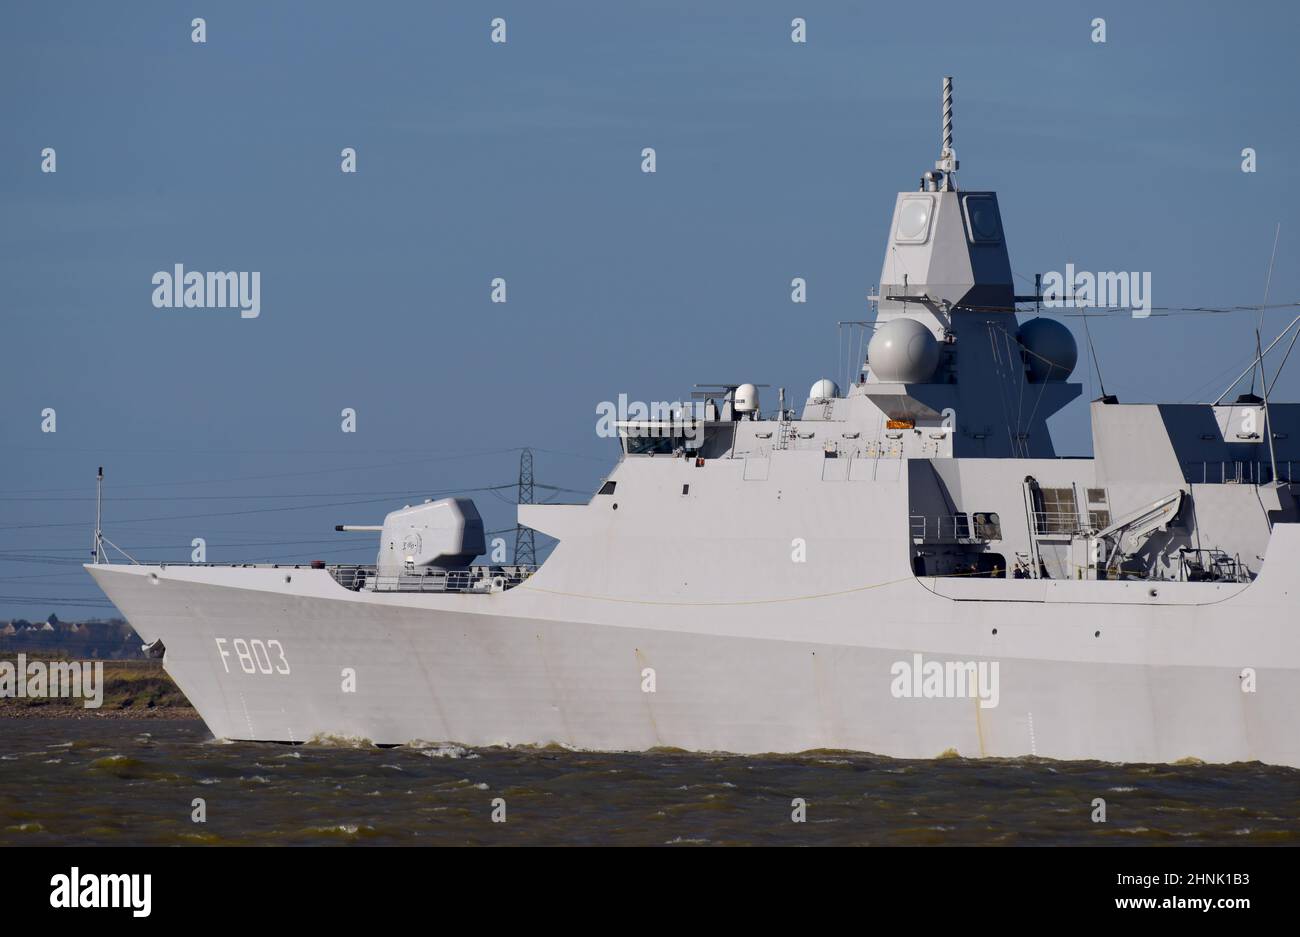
903, 351
1050, 350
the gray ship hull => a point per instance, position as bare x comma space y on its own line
1160, 683
831, 580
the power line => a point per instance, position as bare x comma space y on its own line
177, 517
55, 600
526, 488
403, 492
39, 576
239, 478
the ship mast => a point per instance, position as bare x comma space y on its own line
96, 543
947, 162
1263, 375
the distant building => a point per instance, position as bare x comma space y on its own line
99, 639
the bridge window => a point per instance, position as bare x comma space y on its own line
650, 445
1060, 513
988, 526
1098, 508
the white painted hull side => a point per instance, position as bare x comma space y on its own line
1160, 683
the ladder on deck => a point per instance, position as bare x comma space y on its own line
785, 432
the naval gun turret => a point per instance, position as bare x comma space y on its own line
445, 534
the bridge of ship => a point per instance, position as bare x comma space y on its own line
1172, 493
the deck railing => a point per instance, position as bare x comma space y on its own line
470, 579
1236, 472
955, 528
1068, 524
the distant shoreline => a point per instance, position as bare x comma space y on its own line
133, 689
61, 710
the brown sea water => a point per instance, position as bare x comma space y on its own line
124, 781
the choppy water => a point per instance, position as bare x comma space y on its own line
133, 782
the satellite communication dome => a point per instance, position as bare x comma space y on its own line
746, 399
903, 350
825, 389
1050, 349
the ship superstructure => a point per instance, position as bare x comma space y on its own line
904, 565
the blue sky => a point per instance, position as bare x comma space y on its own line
522, 161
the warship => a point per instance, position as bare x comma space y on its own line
903, 566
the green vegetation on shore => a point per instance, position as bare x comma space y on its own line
131, 688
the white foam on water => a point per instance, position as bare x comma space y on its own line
441, 749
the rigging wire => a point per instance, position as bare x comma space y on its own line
1278, 373
1127, 311
1268, 283
1101, 384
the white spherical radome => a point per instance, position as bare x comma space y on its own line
825, 389
1050, 350
746, 398
903, 351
